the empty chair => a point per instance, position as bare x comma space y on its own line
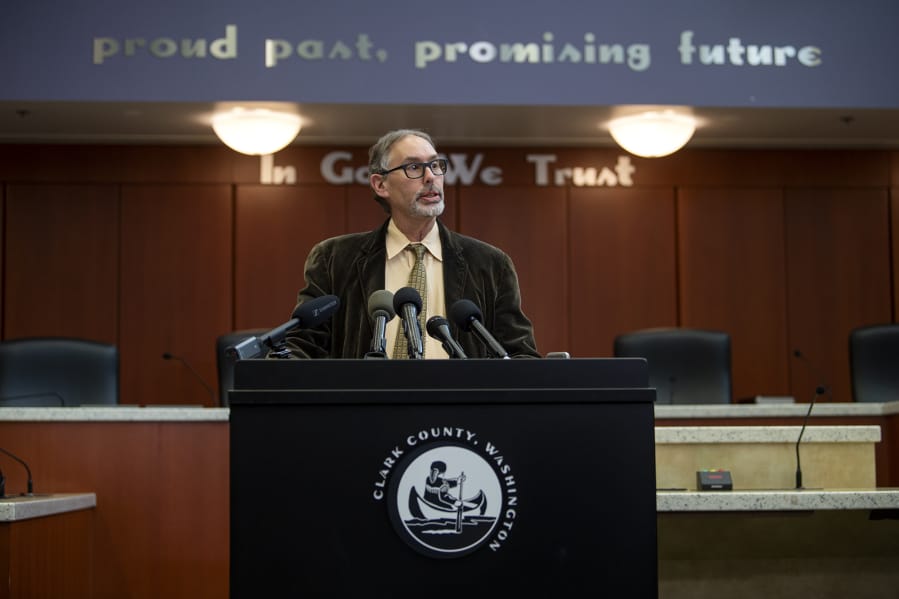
686, 366
874, 362
225, 364
58, 371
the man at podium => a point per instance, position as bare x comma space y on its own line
412, 250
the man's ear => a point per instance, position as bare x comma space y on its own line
377, 183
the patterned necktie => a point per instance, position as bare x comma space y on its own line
418, 280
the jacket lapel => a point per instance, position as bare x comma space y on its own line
370, 263
455, 269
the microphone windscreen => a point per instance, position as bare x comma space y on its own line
406, 295
463, 311
381, 300
316, 311
434, 324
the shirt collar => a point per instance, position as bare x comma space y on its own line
397, 242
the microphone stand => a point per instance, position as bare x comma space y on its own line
818, 392
279, 351
414, 353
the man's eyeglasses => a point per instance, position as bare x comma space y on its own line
416, 170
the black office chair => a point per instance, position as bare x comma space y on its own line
686, 366
225, 365
58, 371
874, 362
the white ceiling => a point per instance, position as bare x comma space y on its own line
188, 123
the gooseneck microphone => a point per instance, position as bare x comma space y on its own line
380, 307
438, 328
407, 303
196, 375
307, 315
819, 391
30, 484
468, 317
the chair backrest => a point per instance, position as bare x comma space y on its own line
58, 371
225, 365
874, 362
686, 366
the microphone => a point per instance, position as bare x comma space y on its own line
438, 328
27, 470
307, 315
819, 391
168, 356
380, 307
816, 374
407, 303
467, 317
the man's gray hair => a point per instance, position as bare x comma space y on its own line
380, 152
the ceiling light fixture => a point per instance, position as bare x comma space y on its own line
256, 131
654, 133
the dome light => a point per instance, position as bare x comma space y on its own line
653, 134
256, 131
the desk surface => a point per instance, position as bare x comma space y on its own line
23, 507
798, 410
777, 500
767, 434
129, 413
121, 413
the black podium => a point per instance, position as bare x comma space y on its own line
462, 478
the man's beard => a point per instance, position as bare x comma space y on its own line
428, 210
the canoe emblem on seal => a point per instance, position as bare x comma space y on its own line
446, 500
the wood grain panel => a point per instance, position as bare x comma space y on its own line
178, 164
838, 278
836, 168
176, 290
47, 163
61, 260
529, 224
50, 556
276, 226
622, 264
695, 167
161, 525
363, 212
733, 279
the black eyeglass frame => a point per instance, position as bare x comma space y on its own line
442, 164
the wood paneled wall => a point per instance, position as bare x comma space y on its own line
162, 249
161, 526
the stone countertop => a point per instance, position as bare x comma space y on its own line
121, 413
126, 413
777, 500
23, 507
798, 410
766, 434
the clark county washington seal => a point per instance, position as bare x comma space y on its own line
448, 493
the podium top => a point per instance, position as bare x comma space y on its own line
578, 373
